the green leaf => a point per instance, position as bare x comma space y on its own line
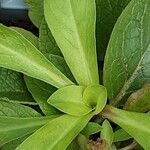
12, 128
58, 133
107, 133
47, 43
72, 24
15, 48
96, 97
12, 86
107, 12
91, 128
42, 91
36, 13
28, 35
13, 144
16, 110
121, 135
69, 100
135, 124
127, 61
140, 100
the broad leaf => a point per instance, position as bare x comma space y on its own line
72, 24
91, 128
140, 100
69, 100
135, 124
96, 97
127, 61
47, 43
16, 110
12, 86
13, 127
15, 48
42, 91
107, 12
107, 133
28, 35
58, 133
35, 11
121, 135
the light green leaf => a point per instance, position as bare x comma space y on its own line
72, 24
16, 110
42, 91
12, 86
140, 100
107, 133
121, 135
135, 124
58, 133
107, 13
96, 97
36, 13
91, 128
127, 61
28, 35
69, 100
15, 48
47, 43
12, 128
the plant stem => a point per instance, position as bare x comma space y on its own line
130, 147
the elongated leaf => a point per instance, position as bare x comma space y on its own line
12, 128
28, 35
12, 86
135, 124
13, 144
35, 11
96, 97
16, 110
47, 43
69, 100
127, 61
107, 133
121, 135
140, 100
72, 24
42, 91
58, 133
91, 128
107, 12
15, 48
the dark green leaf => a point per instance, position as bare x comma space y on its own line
36, 13
135, 124
127, 61
47, 43
58, 133
72, 24
107, 12
12, 86
140, 100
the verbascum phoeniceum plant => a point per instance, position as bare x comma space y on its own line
55, 92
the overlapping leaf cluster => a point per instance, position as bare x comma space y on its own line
60, 70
